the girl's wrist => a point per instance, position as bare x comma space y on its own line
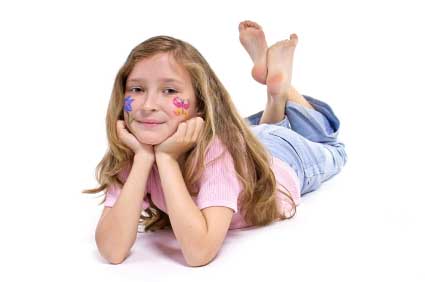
163, 156
144, 157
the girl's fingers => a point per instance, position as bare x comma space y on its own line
198, 127
181, 132
120, 124
191, 127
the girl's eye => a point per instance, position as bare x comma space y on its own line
170, 91
135, 89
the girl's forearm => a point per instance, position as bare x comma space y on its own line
187, 221
116, 233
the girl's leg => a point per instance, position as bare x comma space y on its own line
279, 74
275, 109
318, 124
296, 118
313, 149
296, 97
272, 66
313, 162
298, 129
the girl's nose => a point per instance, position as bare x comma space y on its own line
150, 102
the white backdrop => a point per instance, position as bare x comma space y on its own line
58, 61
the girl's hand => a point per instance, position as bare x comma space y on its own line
182, 140
131, 142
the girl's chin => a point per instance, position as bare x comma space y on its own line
150, 140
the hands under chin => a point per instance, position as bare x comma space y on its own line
182, 140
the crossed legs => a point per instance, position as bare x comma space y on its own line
272, 67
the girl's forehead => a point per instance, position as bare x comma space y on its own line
161, 65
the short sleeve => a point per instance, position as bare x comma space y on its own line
112, 194
219, 185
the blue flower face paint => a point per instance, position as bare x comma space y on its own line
127, 103
127, 107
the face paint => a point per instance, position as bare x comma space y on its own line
127, 107
182, 105
127, 103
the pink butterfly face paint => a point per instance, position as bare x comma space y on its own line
182, 106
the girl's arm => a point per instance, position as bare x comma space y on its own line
187, 221
117, 230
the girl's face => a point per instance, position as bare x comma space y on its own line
158, 96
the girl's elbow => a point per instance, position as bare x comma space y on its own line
198, 263
116, 260
200, 260
112, 256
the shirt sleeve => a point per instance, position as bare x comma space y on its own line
112, 193
219, 185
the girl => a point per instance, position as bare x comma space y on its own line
181, 157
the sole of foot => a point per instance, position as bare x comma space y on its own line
252, 38
279, 67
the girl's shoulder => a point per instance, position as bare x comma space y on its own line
124, 172
215, 149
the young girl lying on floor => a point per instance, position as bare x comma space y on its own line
180, 156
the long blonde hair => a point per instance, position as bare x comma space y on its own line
222, 120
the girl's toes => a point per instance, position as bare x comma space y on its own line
294, 38
286, 42
243, 25
254, 24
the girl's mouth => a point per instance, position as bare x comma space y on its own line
149, 124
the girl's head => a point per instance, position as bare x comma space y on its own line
159, 90
167, 80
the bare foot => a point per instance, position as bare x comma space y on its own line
279, 67
253, 40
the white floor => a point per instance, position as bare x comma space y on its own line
58, 62
350, 230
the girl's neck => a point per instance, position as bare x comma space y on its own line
181, 160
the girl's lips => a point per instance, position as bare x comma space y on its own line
149, 125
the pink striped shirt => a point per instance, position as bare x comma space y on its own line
219, 185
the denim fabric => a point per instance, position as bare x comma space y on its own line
306, 139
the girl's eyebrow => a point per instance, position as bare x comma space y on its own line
161, 80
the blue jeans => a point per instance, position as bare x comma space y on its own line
305, 139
